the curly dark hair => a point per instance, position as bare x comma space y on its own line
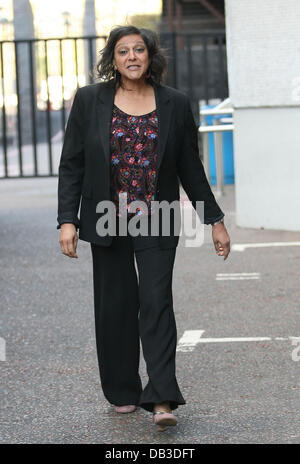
157, 55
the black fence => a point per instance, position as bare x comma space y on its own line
38, 79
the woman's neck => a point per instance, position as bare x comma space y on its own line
135, 88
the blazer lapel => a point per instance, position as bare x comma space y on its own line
164, 109
104, 105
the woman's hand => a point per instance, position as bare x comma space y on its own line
68, 240
221, 240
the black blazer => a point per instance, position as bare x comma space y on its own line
84, 169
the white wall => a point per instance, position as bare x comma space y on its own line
263, 51
267, 168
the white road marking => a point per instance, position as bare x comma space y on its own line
243, 246
237, 273
238, 276
191, 338
234, 339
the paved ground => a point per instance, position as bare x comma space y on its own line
236, 391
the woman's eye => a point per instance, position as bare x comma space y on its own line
140, 50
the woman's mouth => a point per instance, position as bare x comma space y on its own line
133, 66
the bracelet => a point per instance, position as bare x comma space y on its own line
217, 222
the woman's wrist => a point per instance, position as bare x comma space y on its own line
64, 224
221, 221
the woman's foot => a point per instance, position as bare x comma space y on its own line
124, 409
162, 416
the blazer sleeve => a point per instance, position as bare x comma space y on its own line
71, 167
191, 171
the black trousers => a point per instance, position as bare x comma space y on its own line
129, 307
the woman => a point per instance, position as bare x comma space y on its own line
130, 136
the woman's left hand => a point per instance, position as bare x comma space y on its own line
221, 240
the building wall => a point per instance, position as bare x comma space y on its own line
267, 167
264, 85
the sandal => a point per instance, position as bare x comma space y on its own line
163, 419
124, 409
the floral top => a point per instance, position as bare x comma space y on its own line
133, 146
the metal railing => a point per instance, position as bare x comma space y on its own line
38, 79
219, 126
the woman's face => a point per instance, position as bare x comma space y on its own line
131, 57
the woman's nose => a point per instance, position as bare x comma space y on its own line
131, 54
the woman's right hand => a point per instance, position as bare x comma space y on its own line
68, 240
